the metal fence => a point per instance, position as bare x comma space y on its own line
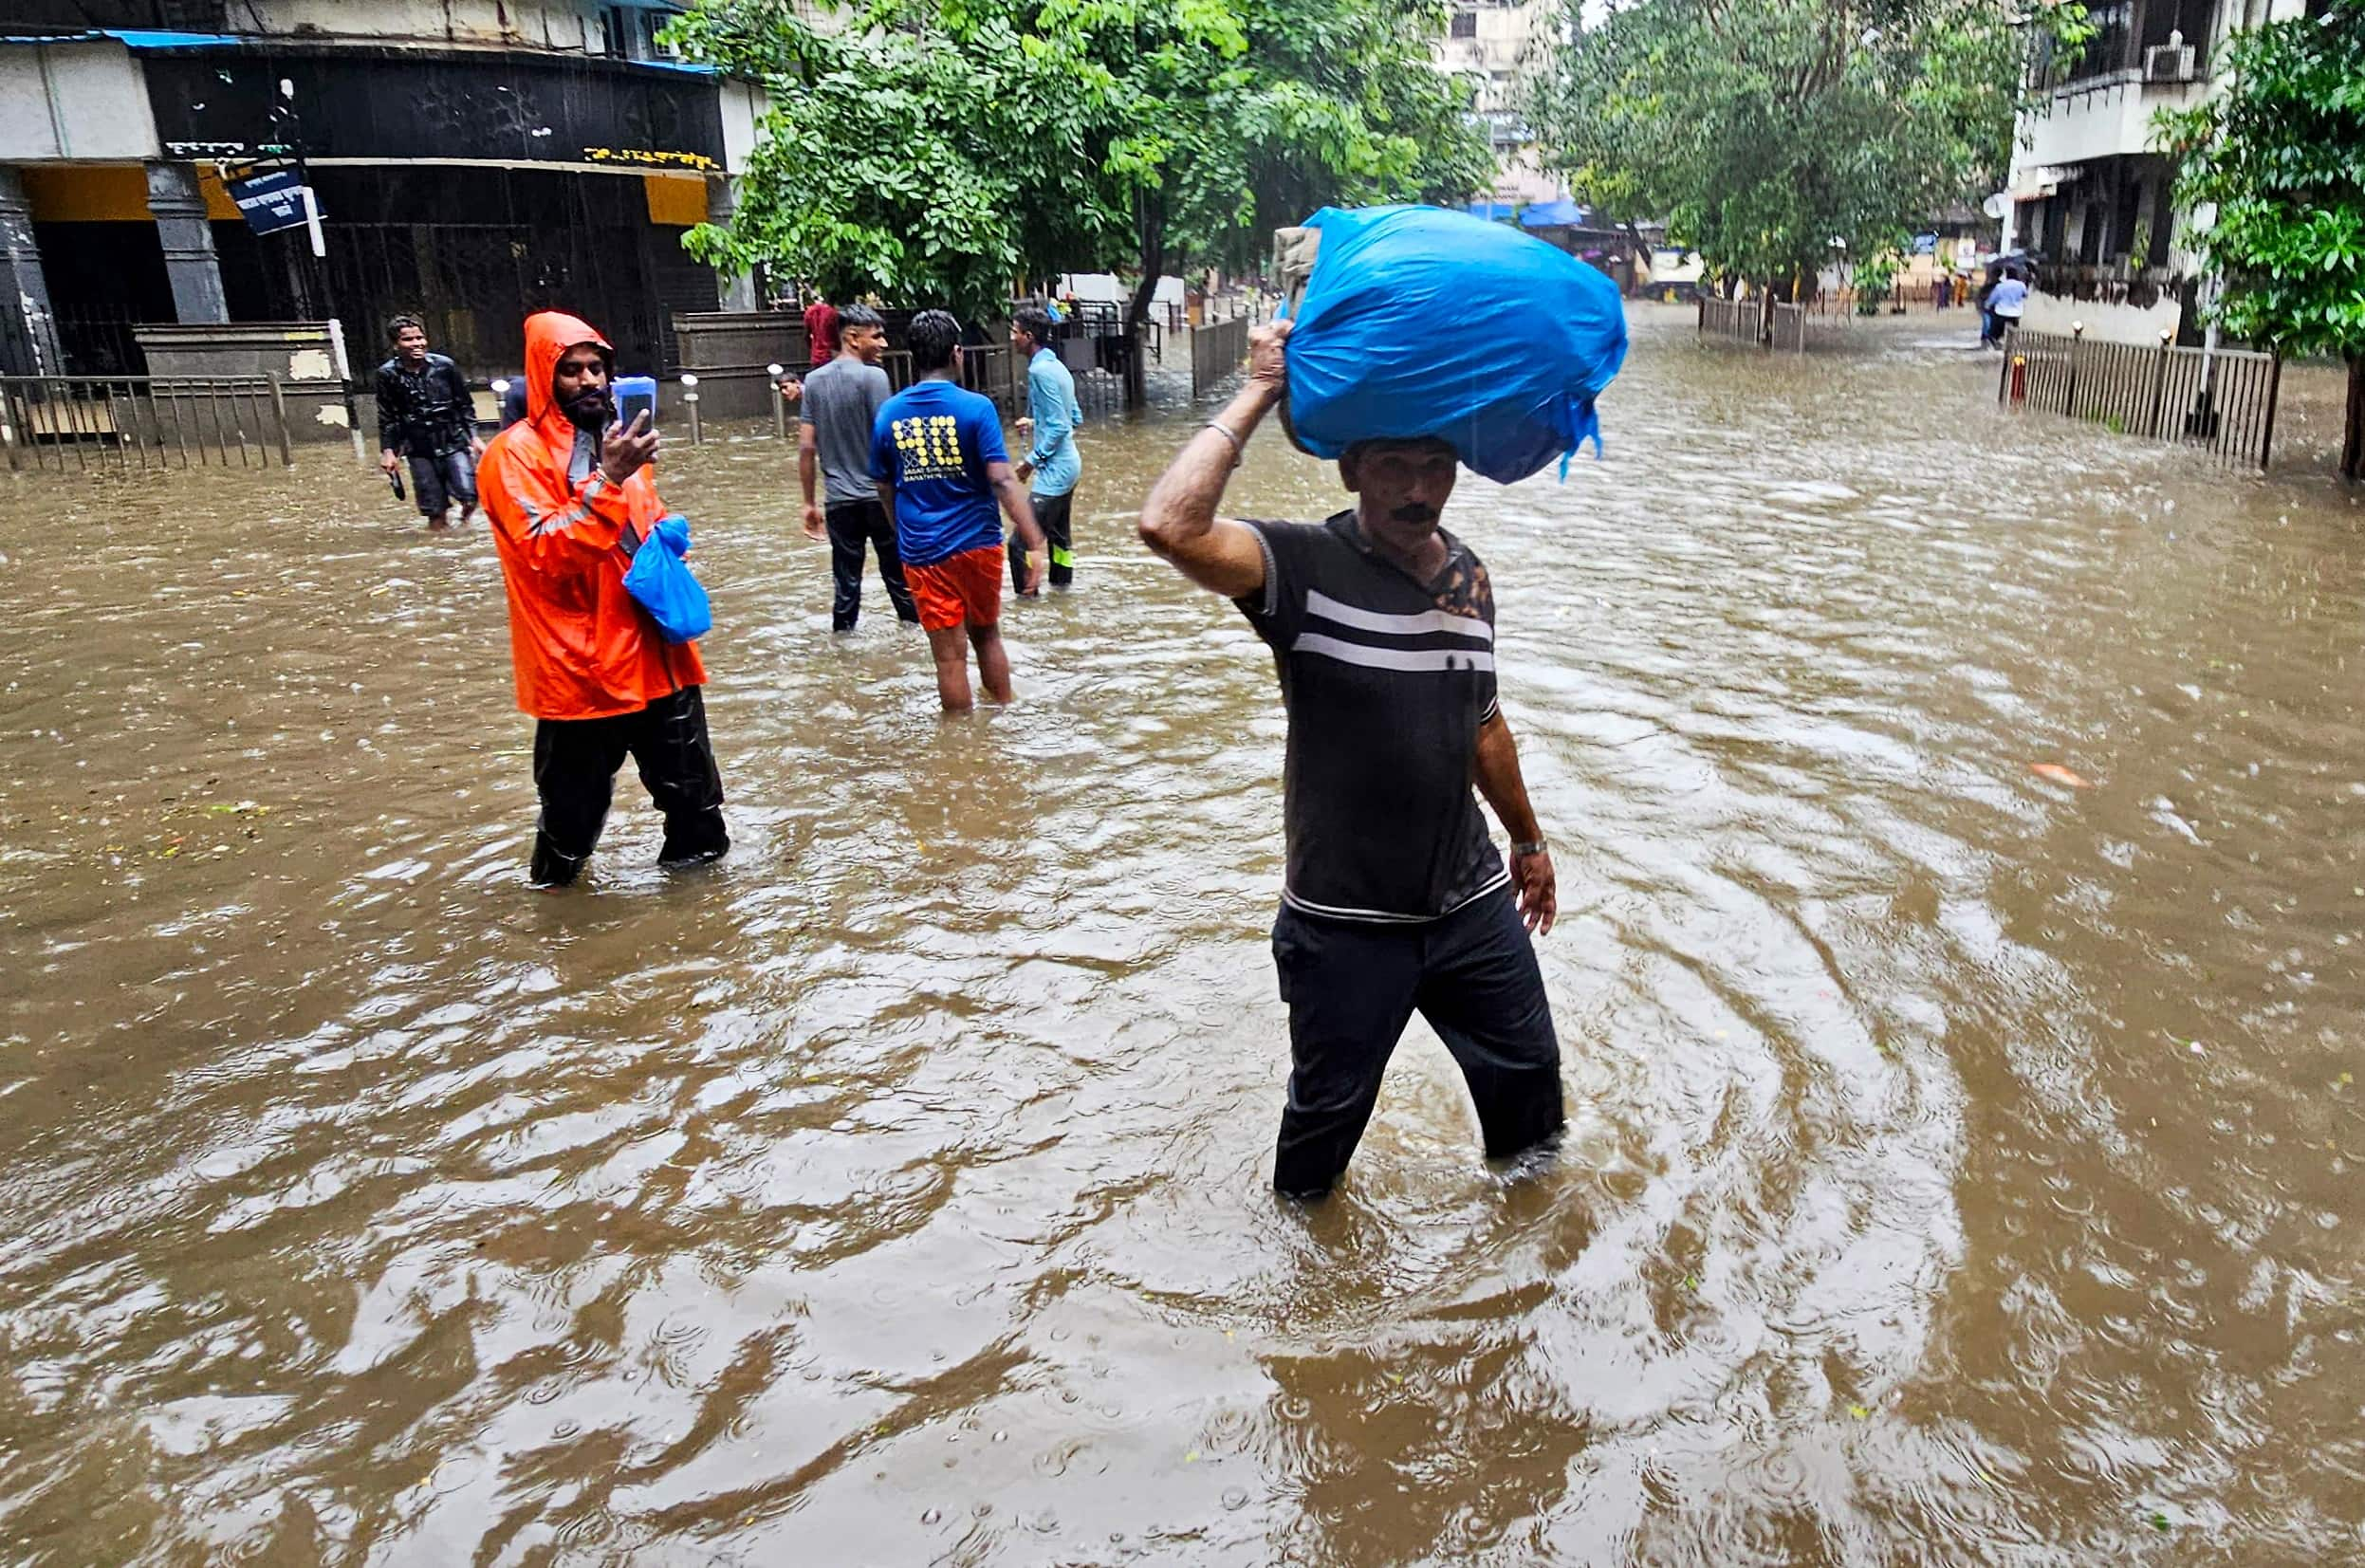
118, 423
2222, 400
990, 370
100, 339
985, 370
1216, 351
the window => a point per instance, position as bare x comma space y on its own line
629, 32
1465, 23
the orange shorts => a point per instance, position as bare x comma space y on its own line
960, 589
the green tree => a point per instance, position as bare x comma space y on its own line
896, 159
2278, 162
1776, 137
937, 149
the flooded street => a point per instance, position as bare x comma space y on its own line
1962, 1165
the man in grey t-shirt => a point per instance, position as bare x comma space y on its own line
842, 400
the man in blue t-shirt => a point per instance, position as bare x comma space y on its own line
938, 457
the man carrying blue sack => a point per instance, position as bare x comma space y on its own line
1383, 630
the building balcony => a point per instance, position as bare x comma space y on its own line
2099, 101
2116, 283
2099, 118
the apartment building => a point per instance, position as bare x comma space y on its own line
2090, 197
1489, 41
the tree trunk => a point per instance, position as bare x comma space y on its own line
1150, 225
2352, 430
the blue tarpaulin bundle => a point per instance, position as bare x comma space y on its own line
1420, 321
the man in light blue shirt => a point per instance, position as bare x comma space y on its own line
1052, 464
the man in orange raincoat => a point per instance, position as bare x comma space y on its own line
570, 498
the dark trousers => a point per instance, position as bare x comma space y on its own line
1051, 515
1352, 988
575, 764
853, 525
437, 482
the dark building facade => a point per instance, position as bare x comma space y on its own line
468, 174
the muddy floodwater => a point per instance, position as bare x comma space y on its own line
1964, 1165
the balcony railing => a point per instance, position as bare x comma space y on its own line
2113, 283
2129, 45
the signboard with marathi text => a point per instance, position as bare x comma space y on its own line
295, 99
271, 202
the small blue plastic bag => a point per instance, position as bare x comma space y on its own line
1419, 321
660, 582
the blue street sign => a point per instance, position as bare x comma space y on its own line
274, 201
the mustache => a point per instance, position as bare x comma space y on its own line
1413, 512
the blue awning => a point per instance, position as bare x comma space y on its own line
1556, 215
143, 41
132, 39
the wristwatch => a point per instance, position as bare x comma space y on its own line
1535, 848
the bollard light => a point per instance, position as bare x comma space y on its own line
688, 383
2077, 329
501, 387
775, 371
780, 402
689, 401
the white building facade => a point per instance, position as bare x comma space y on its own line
1492, 43
2091, 199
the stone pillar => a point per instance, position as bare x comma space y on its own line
187, 236
722, 203
28, 339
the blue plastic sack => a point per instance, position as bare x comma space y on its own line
660, 582
1420, 321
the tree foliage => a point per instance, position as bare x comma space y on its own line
2281, 158
2277, 168
1763, 131
936, 150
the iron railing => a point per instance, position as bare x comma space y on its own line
114, 423
2221, 400
2118, 284
990, 370
100, 339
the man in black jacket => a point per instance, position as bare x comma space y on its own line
424, 411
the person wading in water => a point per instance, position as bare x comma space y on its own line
841, 403
937, 457
1383, 630
570, 498
1052, 464
424, 412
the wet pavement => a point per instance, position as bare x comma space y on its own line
1962, 1164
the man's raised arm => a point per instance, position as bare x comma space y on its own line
1178, 520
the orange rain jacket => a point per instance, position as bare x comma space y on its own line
581, 647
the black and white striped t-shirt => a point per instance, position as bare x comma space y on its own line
1387, 681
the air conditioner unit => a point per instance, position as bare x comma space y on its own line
2168, 62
